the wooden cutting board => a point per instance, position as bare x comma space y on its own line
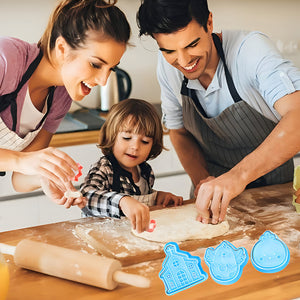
113, 238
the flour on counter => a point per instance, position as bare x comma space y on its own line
275, 210
115, 235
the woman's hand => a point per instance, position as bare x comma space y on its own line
164, 198
57, 195
138, 213
51, 163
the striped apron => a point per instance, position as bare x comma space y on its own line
237, 131
9, 139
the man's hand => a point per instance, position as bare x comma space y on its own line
214, 195
209, 178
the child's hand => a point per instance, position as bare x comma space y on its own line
138, 213
164, 198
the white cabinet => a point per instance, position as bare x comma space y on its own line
177, 184
33, 211
169, 173
18, 213
50, 212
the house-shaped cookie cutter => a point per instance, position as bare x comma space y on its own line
180, 270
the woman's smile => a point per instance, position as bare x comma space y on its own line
86, 88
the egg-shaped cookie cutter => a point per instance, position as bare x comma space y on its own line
270, 254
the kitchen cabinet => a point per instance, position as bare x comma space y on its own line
178, 184
31, 209
19, 213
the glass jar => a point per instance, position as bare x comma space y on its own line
4, 278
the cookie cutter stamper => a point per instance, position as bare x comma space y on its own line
226, 262
152, 226
180, 270
80, 167
270, 254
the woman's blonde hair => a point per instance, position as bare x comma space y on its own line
72, 19
141, 116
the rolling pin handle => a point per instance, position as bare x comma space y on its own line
7, 249
131, 279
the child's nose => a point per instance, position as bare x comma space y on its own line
134, 144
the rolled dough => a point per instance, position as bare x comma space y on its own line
179, 224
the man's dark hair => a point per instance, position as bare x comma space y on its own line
167, 16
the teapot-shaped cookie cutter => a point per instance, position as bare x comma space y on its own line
226, 262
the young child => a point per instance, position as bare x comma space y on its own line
121, 182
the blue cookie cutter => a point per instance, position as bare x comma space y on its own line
270, 254
180, 270
226, 262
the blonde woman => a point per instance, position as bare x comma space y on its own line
83, 42
121, 182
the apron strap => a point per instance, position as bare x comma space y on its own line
192, 94
236, 97
10, 99
49, 103
117, 172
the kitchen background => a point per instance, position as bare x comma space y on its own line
27, 19
277, 18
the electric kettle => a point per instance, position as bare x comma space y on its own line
118, 87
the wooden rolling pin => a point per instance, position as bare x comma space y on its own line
69, 264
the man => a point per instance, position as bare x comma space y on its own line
230, 101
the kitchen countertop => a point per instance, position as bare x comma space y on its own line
271, 206
79, 131
75, 138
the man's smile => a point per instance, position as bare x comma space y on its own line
192, 67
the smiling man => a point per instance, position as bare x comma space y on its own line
230, 101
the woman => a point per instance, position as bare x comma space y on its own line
83, 42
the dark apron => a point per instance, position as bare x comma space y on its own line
10, 99
237, 131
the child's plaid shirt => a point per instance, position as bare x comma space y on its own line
106, 183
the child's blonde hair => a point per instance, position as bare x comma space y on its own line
143, 118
